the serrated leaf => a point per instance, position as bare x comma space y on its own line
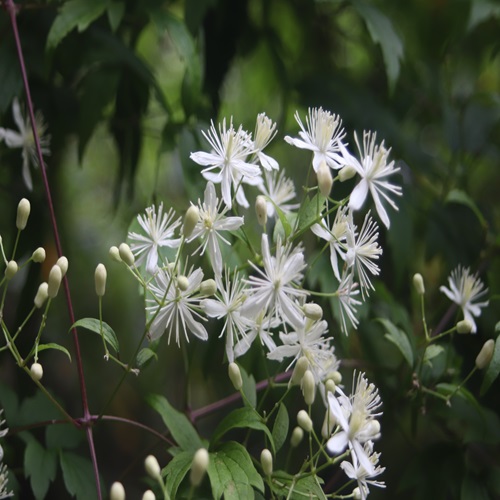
461, 197
399, 339
78, 476
249, 387
94, 325
432, 352
493, 369
144, 355
231, 472
310, 212
280, 427
177, 423
285, 485
51, 345
242, 418
176, 470
40, 466
74, 14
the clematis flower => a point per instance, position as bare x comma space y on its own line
373, 169
346, 293
279, 190
265, 130
24, 139
466, 288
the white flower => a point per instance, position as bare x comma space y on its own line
228, 304
279, 190
323, 137
174, 306
356, 422
159, 230
363, 250
260, 327
465, 288
276, 289
346, 292
265, 130
373, 169
24, 139
230, 149
212, 220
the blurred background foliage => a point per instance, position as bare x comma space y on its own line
126, 86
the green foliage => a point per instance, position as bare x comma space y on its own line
280, 427
493, 369
78, 475
40, 466
101, 328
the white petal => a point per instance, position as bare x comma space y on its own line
338, 443
358, 195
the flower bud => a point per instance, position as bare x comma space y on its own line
23, 212
328, 424
190, 220
308, 387
126, 254
37, 371
100, 280
304, 420
261, 210
418, 283
336, 376
325, 179
55, 277
11, 269
330, 386
152, 467
356, 494
266, 460
148, 495
117, 491
485, 355
464, 326
235, 376
62, 262
313, 311
114, 253
182, 283
208, 287
298, 372
41, 295
346, 173
39, 255
199, 466
297, 436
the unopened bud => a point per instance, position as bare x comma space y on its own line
11, 269
261, 210
464, 326
114, 253
313, 311
152, 467
41, 295
297, 436
266, 460
117, 491
336, 376
55, 277
208, 287
330, 386
100, 280
63, 263
328, 424
39, 255
190, 220
485, 354
356, 493
37, 371
325, 179
199, 466
182, 283
235, 376
308, 387
126, 254
346, 173
23, 212
148, 495
298, 372
304, 420
418, 283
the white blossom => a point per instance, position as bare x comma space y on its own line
279, 191
346, 293
265, 130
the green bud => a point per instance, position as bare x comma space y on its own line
235, 376
114, 253
62, 262
55, 278
41, 295
199, 466
36, 371
464, 326
266, 460
308, 387
126, 254
100, 280
328, 424
298, 372
152, 467
148, 495
261, 210
39, 255
11, 269
190, 220
325, 179
418, 283
313, 311
23, 212
330, 386
117, 491
182, 283
346, 173
208, 287
297, 436
485, 355
304, 420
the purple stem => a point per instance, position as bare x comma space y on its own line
12, 10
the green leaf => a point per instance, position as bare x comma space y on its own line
493, 368
242, 418
115, 14
177, 423
145, 355
94, 325
432, 352
480, 11
74, 14
40, 466
310, 212
285, 485
78, 476
399, 339
461, 197
280, 427
176, 470
231, 472
249, 387
63, 436
457, 390
382, 32
51, 345
286, 226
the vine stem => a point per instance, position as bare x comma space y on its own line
12, 11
